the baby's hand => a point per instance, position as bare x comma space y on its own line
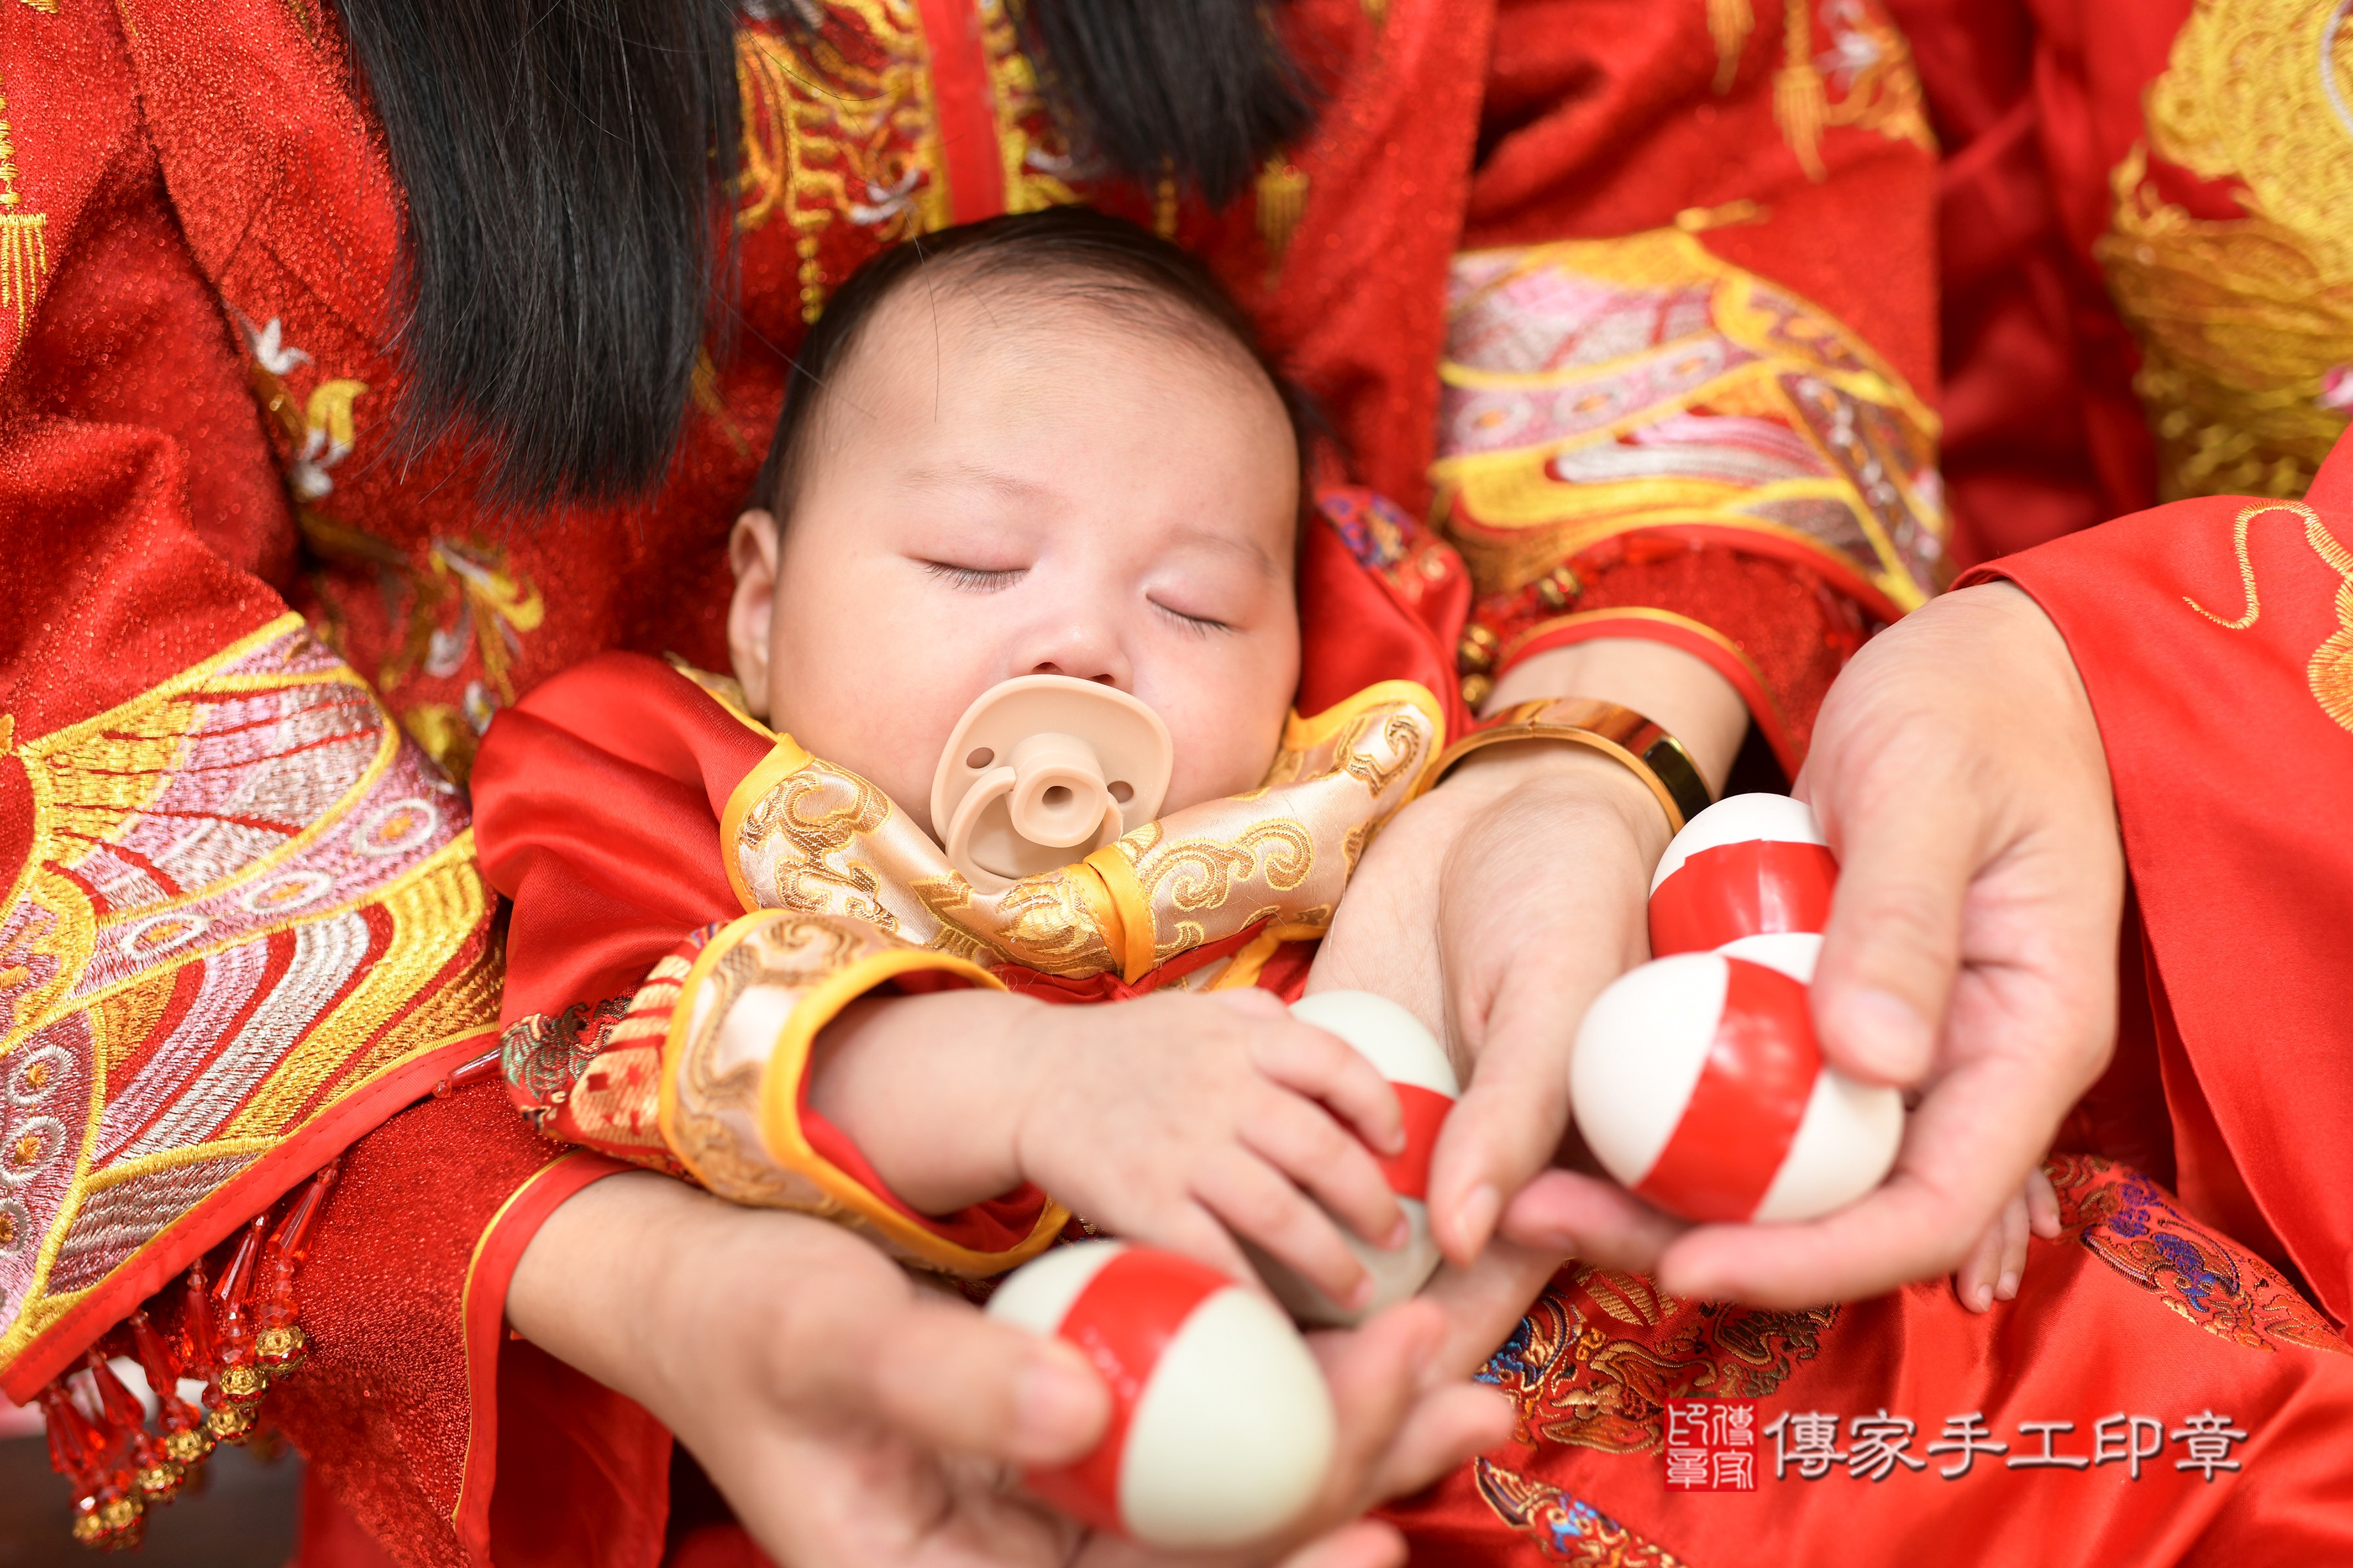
1175, 1119
1996, 1263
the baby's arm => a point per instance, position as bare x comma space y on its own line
1171, 1119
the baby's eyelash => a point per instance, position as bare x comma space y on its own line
1198, 626
980, 577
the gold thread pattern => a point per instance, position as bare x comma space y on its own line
2246, 324
740, 1032
843, 130
1594, 388
245, 898
2331, 673
24, 234
1868, 63
1037, 166
844, 894
817, 839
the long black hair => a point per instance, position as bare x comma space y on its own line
566, 165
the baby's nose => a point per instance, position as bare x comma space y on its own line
1050, 668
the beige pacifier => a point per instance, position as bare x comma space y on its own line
1043, 770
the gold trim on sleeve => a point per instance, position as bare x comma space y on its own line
748, 1015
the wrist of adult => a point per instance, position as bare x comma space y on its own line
593, 1287
1553, 777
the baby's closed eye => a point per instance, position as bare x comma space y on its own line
982, 579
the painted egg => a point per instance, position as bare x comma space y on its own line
1406, 1055
1221, 1427
1750, 865
1697, 1082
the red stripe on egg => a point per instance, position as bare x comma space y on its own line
1733, 891
1743, 1114
1425, 1109
1122, 1321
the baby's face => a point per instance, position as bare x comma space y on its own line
986, 495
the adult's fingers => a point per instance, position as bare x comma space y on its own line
1528, 943
1575, 1215
1996, 1261
1394, 1432
945, 1376
1893, 948
2013, 1248
1484, 1303
1403, 1418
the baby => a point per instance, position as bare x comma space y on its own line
1043, 445
1050, 446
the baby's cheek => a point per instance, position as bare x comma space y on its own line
1226, 726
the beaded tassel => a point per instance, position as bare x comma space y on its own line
154, 1473
238, 1381
239, 1335
281, 1345
185, 1441
107, 1509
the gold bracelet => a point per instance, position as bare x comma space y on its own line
1652, 755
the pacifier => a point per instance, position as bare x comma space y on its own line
1043, 770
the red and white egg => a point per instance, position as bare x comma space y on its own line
1221, 1427
1696, 1078
1412, 1059
1698, 1083
1750, 866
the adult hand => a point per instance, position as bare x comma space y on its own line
856, 1419
1495, 908
1957, 772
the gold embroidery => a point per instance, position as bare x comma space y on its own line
1601, 1351
252, 828
1798, 98
1037, 165
2331, 673
1281, 204
1594, 388
734, 1053
830, 136
809, 837
2246, 324
1870, 64
24, 235
1729, 22
1562, 1528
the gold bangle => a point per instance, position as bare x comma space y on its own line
1645, 750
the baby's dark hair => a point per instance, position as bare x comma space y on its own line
1069, 253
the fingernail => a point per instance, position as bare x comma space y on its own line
1475, 1219
1054, 1405
1362, 1296
1399, 1234
1884, 1036
1983, 1298
2008, 1289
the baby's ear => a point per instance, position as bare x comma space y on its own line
751, 614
